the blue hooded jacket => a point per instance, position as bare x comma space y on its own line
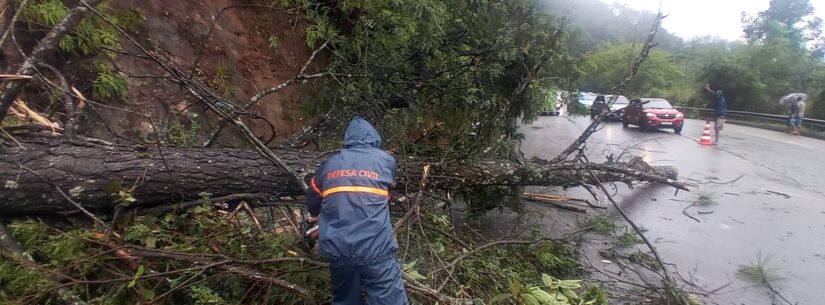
350, 191
721, 108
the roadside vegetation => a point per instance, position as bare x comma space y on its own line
178, 265
782, 52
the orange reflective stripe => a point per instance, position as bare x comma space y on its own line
356, 189
315, 186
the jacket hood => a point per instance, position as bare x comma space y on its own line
360, 133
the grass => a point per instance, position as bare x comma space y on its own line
628, 239
601, 224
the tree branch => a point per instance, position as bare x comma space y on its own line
618, 90
256, 99
12, 88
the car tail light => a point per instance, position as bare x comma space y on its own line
650, 115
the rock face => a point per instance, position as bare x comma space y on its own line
237, 60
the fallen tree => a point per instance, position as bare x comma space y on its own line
46, 176
69, 174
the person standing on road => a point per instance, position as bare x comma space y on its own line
349, 198
800, 107
796, 104
793, 112
720, 108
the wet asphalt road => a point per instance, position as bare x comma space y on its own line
776, 207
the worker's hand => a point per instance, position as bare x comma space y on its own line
313, 231
707, 86
314, 234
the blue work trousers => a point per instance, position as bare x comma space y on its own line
381, 282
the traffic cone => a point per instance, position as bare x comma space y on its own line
705, 139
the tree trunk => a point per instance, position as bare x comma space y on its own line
31, 180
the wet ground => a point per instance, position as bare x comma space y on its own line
767, 195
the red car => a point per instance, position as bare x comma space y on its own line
650, 113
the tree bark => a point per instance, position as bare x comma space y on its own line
93, 174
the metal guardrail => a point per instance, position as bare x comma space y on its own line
764, 116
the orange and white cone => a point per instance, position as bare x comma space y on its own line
705, 139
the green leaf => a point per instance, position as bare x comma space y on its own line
151, 242
410, 265
113, 187
136, 277
570, 284
569, 293
529, 299
541, 295
547, 280
125, 198
146, 294
409, 270
274, 42
500, 298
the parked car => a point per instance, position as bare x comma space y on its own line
600, 106
586, 99
648, 113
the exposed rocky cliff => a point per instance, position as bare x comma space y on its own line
250, 48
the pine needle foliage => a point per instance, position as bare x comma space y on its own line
758, 272
601, 224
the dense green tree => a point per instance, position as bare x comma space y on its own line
456, 62
756, 76
608, 65
794, 16
701, 52
816, 107
778, 59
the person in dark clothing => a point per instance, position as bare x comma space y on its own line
796, 105
793, 118
349, 197
720, 108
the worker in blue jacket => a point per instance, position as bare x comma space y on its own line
349, 194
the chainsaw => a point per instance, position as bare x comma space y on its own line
307, 228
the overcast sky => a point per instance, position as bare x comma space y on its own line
694, 18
